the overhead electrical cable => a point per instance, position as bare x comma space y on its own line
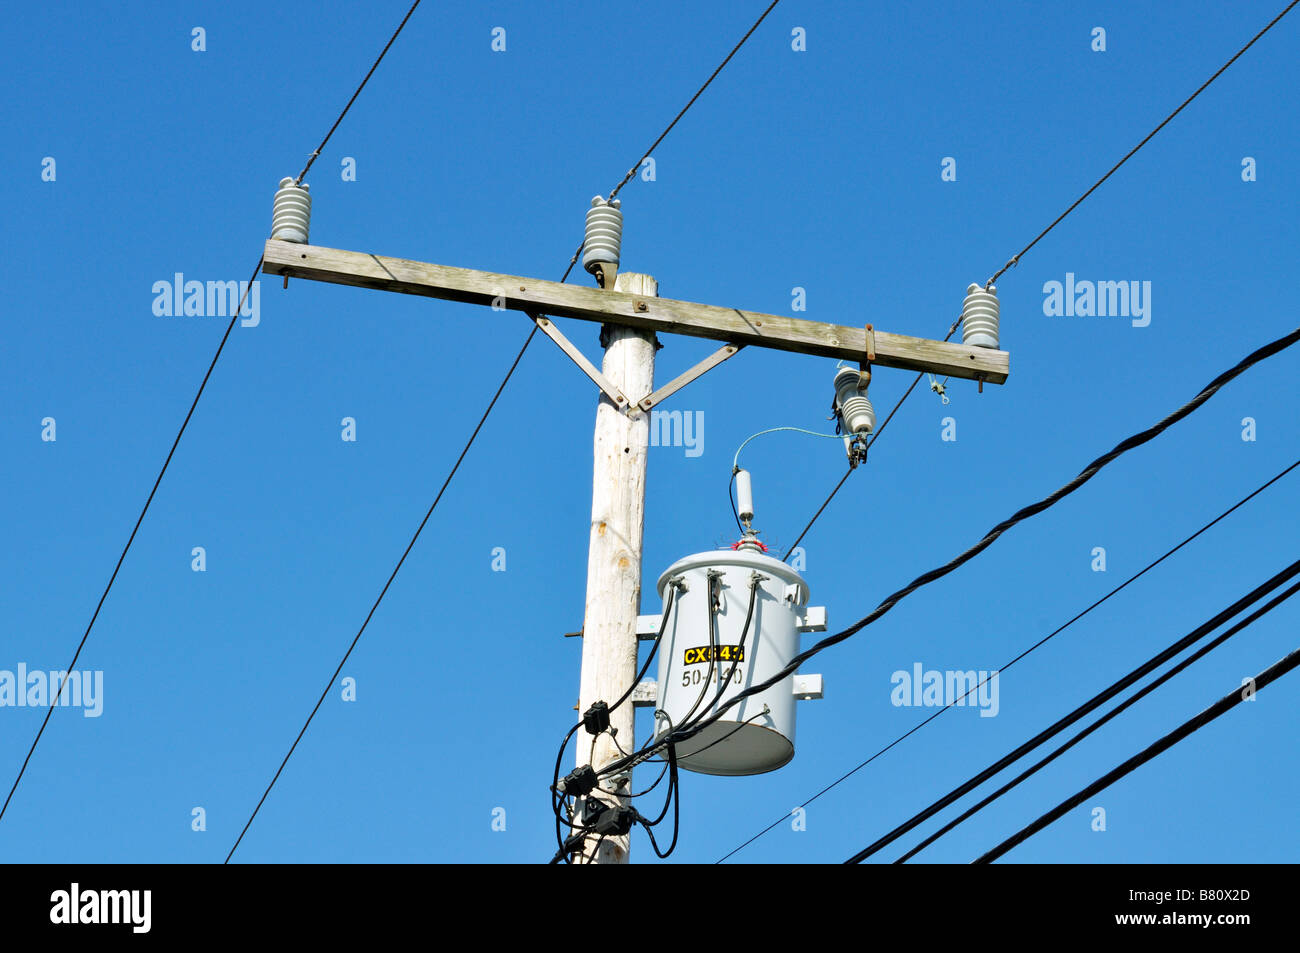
1043, 641
1104, 719
1224, 704
1093, 703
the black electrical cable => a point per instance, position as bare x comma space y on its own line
731, 494
1043, 641
675, 796
744, 633
1025, 513
710, 607
662, 774
558, 799
1227, 702
393, 575
1118, 709
557, 802
672, 787
382, 53
1083, 710
660, 138
1015, 259
713, 651
654, 648
130, 539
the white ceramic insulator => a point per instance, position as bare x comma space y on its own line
291, 214
604, 236
856, 413
745, 496
979, 317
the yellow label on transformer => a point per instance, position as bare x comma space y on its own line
720, 653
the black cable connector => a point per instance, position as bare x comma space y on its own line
596, 718
579, 782
607, 820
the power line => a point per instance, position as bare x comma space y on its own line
1229, 701
131, 539
382, 53
393, 575
698, 93
684, 732
1081, 711
1015, 259
1117, 710
691, 102
1043, 641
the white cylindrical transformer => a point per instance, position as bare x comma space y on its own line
979, 317
603, 239
700, 670
291, 213
857, 416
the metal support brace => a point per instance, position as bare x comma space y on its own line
615, 395
677, 383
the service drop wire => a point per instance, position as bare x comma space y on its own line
1033, 509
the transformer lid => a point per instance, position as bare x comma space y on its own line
740, 559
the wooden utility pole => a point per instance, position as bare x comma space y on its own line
609, 639
630, 314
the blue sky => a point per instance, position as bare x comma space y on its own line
817, 169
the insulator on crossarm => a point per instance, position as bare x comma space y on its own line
603, 239
291, 213
979, 317
857, 416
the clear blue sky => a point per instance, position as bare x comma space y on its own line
817, 169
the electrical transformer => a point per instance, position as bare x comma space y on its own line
734, 622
